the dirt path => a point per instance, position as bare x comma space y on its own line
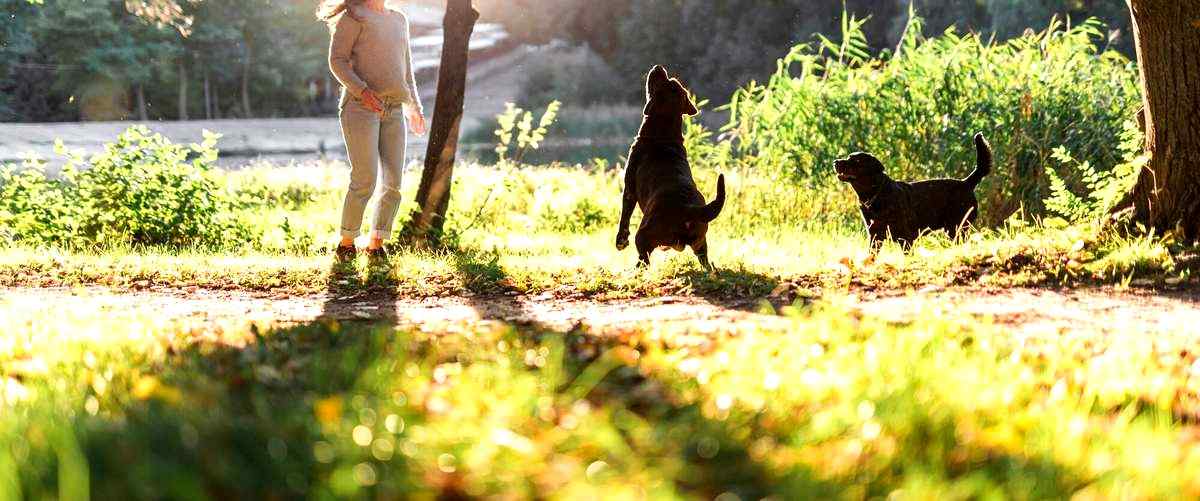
1029, 311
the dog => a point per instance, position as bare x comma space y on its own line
658, 178
902, 211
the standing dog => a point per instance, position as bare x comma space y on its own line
658, 178
902, 211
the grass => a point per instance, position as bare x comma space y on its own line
825, 404
535, 230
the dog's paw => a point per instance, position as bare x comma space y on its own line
622, 241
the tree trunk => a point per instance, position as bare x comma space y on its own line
208, 107
433, 196
141, 103
216, 91
248, 60
183, 89
1167, 194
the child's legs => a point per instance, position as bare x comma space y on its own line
360, 129
392, 141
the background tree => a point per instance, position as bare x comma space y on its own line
433, 195
17, 48
1167, 195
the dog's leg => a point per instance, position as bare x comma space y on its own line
876, 244
628, 201
877, 233
644, 248
700, 248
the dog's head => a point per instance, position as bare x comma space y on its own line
862, 170
666, 95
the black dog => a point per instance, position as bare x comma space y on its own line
658, 178
902, 211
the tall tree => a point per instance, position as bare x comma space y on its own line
433, 195
1167, 36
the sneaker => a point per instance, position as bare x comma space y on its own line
345, 253
377, 256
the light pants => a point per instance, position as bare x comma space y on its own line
376, 148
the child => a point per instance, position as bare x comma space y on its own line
369, 54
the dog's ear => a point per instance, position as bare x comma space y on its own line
686, 106
689, 106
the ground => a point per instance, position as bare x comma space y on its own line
1022, 311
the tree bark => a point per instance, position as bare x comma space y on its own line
1167, 194
216, 95
433, 196
208, 107
248, 61
141, 103
183, 89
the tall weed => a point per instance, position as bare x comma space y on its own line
917, 108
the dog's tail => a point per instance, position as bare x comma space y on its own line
983, 161
708, 213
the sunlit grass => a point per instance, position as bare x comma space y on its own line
823, 403
534, 230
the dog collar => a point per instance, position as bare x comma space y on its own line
868, 203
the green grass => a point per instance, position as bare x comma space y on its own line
534, 230
828, 403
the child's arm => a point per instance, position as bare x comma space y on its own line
341, 46
415, 98
412, 109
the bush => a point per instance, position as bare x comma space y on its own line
1100, 189
141, 189
918, 109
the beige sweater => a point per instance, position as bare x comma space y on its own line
372, 52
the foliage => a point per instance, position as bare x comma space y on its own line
1102, 187
31, 206
141, 190
88, 60
918, 109
719, 45
517, 134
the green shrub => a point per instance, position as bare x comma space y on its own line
142, 189
917, 109
32, 206
1100, 188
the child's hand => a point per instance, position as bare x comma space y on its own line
371, 100
416, 121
